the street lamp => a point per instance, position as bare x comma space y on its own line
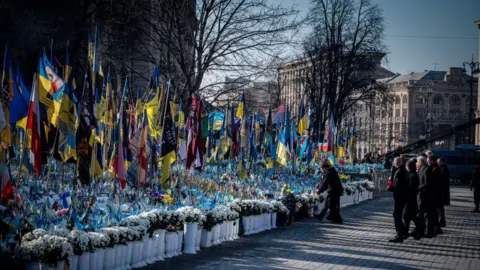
473, 70
428, 90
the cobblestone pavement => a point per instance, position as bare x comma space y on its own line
360, 243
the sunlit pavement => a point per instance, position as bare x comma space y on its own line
360, 243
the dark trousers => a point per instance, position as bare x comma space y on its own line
332, 203
410, 216
432, 220
441, 214
398, 208
476, 197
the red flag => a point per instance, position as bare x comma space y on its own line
6, 183
195, 146
33, 129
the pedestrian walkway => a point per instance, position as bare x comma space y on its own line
360, 243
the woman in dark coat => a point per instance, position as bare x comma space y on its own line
411, 209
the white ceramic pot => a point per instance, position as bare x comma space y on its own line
161, 245
100, 254
169, 244
198, 238
155, 243
143, 251
370, 194
179, 242
274, 220
149, 251
214, 235
190, 232
93, 260
125, 258
206, 238
118, 257
235, 229
84, 261
245, 224
135, 252
128, 257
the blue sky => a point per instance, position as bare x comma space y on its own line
413, 31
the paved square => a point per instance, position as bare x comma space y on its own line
360, 243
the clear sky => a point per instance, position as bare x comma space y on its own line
421, 33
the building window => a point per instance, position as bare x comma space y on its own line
405, 99
438, 100
455, 100
420, 99
397, 113
397, 100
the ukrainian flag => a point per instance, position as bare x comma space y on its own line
67, 141
49, 83
282, 149
242, 171
240, 108
20, 102
302, 120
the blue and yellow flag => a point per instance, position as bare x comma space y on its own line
49, 83
67, 118
240, 108
281, 154
20, 102
242, 171
302, 120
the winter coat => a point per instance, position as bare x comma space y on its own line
422, 187
400, 185
332, 183
434, 185
475, 183
445, 172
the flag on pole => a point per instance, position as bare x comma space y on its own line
169, 143
302, 120
33, 129
240, 108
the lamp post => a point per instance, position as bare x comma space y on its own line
473, 70
428, 90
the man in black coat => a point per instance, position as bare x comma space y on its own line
445, 190
422, 197
400, 189
434, 194
411, 210
335, 189
475, 186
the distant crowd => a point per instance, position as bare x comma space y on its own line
421, 190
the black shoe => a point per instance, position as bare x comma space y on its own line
397, 239
438, 231
476, 211
338, 221
405, 236
413, 233
443, 223
430, 235
419, 236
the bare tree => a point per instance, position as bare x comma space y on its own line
343, 52
197, 39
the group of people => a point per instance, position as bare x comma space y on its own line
421, 190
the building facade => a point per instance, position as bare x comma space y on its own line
259, 95
421, 104
292, 78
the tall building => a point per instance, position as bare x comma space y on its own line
293, 79
422, 104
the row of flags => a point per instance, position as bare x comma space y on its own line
101, 128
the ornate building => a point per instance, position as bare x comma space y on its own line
293, 79
423, 103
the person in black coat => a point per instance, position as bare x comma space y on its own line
475, 186
335, 189
445, 191
434, 195
400, 189
411, 209
422, 197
